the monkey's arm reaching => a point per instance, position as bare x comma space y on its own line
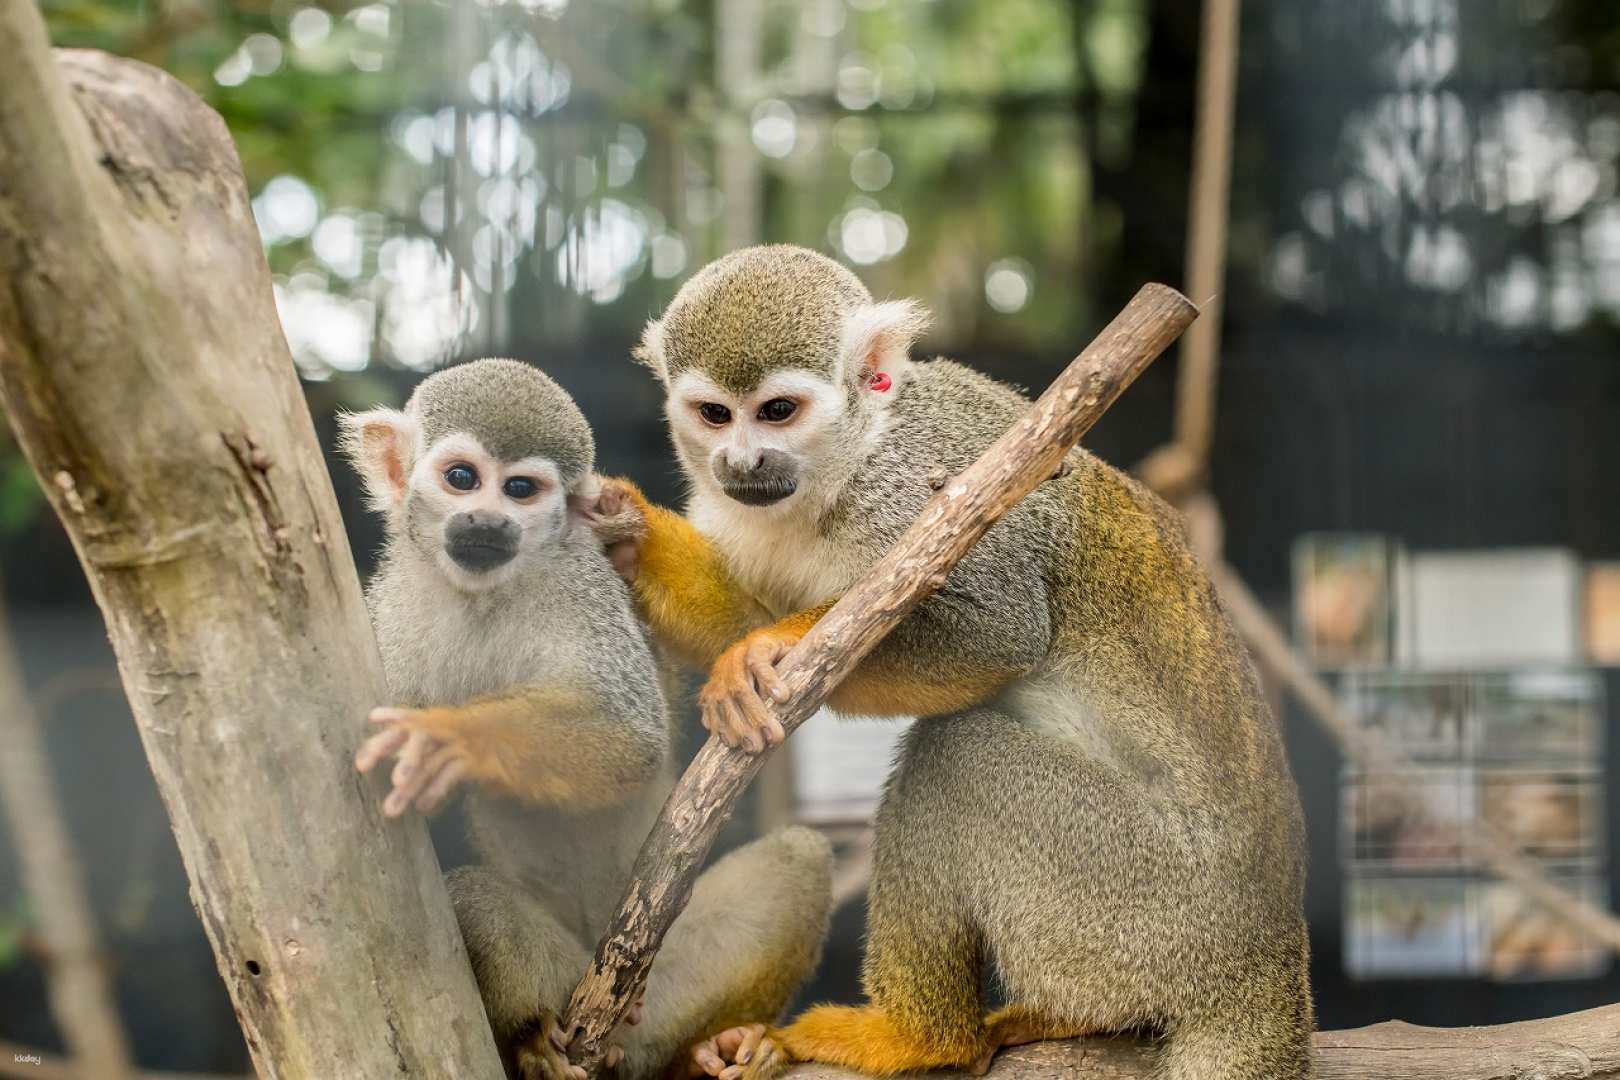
681, 584
955, 651
549, 744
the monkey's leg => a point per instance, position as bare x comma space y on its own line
947, 869
923, 958
751, 934
1101, 910
526, 963
1263, 1029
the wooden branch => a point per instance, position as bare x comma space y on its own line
1584, 1044
954, 519
143, 370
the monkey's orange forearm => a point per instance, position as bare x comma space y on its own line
544, 744
888, 681
686, 595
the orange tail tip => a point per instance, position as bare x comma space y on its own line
867, 1040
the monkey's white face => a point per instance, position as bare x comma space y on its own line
759, 449
480, 518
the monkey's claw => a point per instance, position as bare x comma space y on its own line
542, 1055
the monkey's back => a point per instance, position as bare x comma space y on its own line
1143, 669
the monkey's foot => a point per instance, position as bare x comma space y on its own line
868, 1040
544, 1054
745, 1052
1016, 1025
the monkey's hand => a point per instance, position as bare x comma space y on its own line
543, 1055
427, 769
733, 700
615, 510
746, 1052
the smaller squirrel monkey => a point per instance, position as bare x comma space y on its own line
518, 666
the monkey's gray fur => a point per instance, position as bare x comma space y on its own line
552, 869
1114, 827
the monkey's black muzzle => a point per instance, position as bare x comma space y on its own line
772, 479
480, 542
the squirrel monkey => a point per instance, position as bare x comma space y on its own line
518, 664
1095, 798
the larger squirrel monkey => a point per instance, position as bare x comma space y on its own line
1095, 800
517, 664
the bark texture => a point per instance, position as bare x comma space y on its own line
959, 513
146, 377
1584, 1044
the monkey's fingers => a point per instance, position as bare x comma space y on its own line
706, 1057
728, 724
761, 658
765, 1061
632, 1015
753, 1036
625, 556
379, 746
418, 744
439, 788
757, 720
410, 774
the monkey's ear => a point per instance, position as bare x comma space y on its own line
381, 444
650, 352
878, 337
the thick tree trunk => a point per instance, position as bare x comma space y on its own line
146, 377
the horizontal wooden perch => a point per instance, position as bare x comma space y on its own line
1584, 1044
952, 522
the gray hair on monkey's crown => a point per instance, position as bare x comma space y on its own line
514, 409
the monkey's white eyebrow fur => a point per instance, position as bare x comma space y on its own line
783, 383
694, 385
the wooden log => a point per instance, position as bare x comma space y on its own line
143, 370
1583, 1044
954, 519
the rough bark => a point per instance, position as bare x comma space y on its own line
962, 511
1584, 1044
146, 377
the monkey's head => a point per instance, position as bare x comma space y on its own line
475, 472
778, 367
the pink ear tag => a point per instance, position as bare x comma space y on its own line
879, 381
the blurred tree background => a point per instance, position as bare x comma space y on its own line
1425, 250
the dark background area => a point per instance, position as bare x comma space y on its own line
1370, 380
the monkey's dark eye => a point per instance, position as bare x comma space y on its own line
461, 477
520, 488
777, 410
714, 414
